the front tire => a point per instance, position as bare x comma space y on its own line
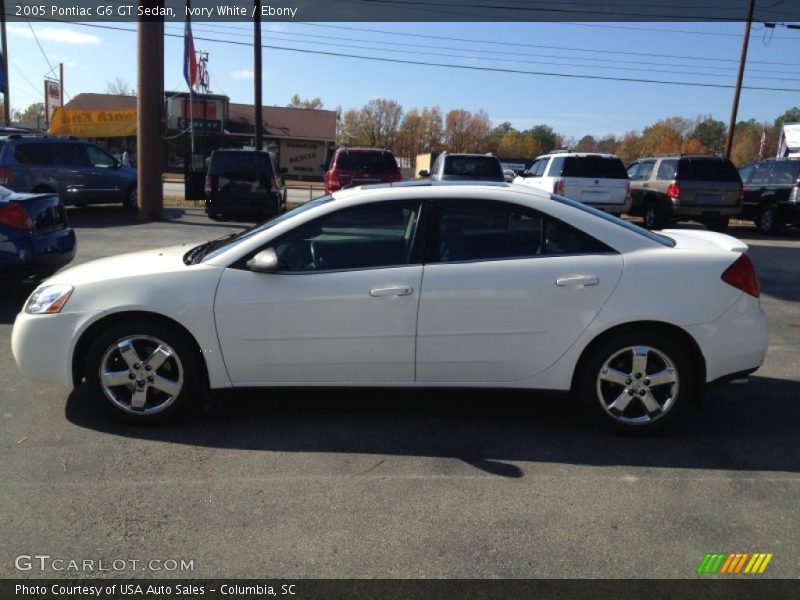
652, 215
636, 382
144, 371
131, 201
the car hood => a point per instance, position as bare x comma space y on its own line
148, 262
698, 239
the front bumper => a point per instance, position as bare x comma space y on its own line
36, 257
43, 345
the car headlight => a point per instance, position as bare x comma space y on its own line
48, 299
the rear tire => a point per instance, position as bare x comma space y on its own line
144, 372
652, 215
718, 224
635, 382
768, 221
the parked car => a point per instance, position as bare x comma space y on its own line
78, 171
35, 237
465, 167
598, 180
522, 289
680, 187
772, 194
351, 167
244, 183
509, 175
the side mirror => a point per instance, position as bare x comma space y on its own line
424, 173
265, 261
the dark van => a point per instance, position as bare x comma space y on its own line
244, 183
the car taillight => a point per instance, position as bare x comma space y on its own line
208, 184
333, 182
628, 189
398, 176
558, 188
5, 175
274, 188
674, 190
741, 194
742, 275
13, 215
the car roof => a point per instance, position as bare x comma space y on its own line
578, 154
362, 150
427, 183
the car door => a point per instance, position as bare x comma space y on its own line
534, 176
342, 307
755, 188
506, 290
103, 177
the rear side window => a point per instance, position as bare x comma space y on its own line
645, 170
785, 172
368, 161
69, 155
707, 169
241, 166
473, 166
537, 168
667, 170
556, 166
32, 154
497, 232
594, 167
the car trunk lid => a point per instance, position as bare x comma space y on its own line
700, 239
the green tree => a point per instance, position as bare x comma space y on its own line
711, 134
547, 139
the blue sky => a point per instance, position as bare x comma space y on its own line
573, 107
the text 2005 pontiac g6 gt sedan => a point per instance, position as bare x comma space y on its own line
491, 286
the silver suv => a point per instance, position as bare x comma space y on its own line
680, 187
78, 171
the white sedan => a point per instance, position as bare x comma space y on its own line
417, 285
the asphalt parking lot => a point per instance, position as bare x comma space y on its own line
316, 483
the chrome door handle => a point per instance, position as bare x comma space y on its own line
577, 280
391, 290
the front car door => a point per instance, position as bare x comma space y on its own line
342, 308
506, 291
755, 189
104, 178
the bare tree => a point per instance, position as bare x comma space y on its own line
119, 87
297, 102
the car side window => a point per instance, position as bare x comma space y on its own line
667, 170
540, 167
761, 172
496, 231
556, 167
99, 158
32, 154
633, 171
785, 172
364, 237
645, 170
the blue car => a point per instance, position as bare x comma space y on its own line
35, 237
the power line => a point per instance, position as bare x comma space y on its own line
463, 67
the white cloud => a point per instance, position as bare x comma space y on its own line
243, 74
55, 34
276, 28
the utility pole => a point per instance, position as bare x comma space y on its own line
739, 78
60, 81
6, 96
149, 103
259, 142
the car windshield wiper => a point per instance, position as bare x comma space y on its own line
196, 254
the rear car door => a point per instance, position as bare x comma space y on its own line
341, 309
783, 179
755, 188
506, 290
708, 183
595, 180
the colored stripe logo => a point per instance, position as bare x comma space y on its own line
734, 563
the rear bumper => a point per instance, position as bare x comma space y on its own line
614, 209
36, 257
267, 208
736, 342
707, 210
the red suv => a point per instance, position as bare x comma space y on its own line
351, 167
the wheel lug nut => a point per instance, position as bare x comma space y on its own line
638, 376
642, 392
131, 376
148, 368
137, 366
647, 382
628, 381
630, 392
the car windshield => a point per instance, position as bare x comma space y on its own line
208, 250
473, 166
240, 166
594, 167
367, 161
655, 237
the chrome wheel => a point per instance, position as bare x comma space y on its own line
767, 223
637, 385
141, 374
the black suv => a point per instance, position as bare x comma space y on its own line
772, 194
244, 183
465, 167
678, 187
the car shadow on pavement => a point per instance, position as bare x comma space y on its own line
743, 427
778, 269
